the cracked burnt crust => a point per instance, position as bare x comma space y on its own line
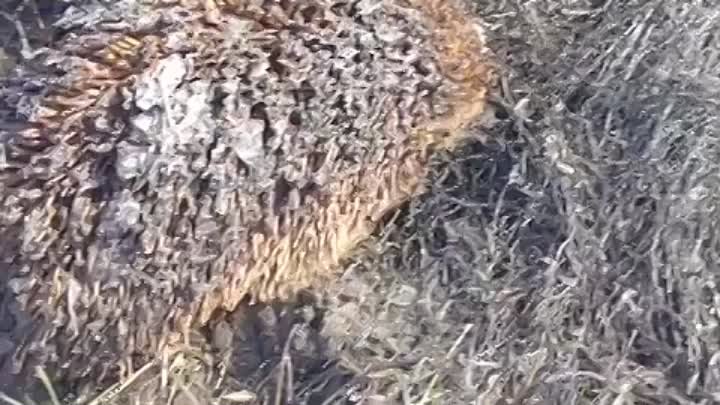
220, 152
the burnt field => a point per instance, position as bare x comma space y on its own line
570, 259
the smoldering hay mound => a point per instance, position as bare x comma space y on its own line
181, 159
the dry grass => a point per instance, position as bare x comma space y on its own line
574, 260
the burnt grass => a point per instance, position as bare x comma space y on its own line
571, 259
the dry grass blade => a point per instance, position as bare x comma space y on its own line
43, 376
114, 391
9, 401
243, 396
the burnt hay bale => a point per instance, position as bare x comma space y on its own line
186, 157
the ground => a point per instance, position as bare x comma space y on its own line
571, 259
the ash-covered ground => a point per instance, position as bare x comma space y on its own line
570, 260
